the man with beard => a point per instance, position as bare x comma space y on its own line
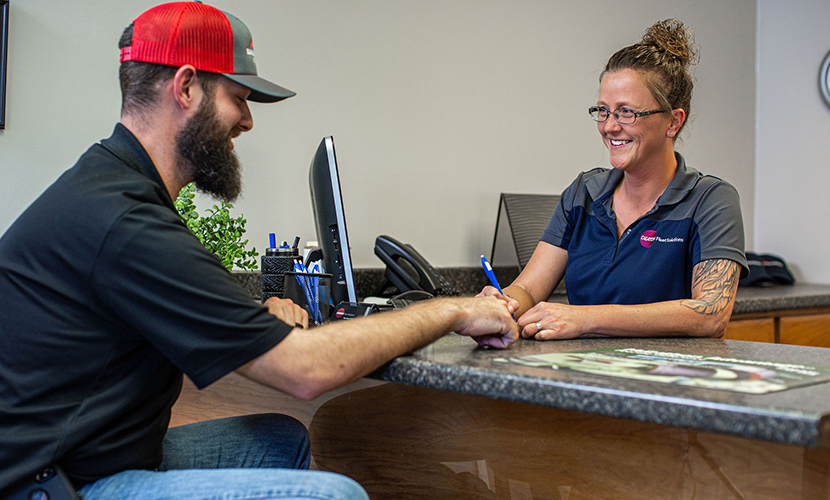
109, 299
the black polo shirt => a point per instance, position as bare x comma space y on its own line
107, 298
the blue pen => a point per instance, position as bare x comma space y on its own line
315, 293
306, 287
310, 288
490, 274
315, 282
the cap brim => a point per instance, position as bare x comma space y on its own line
777, 269
757, 275
261, 90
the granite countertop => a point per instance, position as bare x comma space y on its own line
798, 416
781, 298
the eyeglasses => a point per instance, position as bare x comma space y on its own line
623, 116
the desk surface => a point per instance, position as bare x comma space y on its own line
781, 298
798, 416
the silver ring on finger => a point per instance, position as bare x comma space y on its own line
538, 326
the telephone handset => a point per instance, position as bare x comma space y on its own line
407, 270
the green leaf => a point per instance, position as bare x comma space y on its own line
219, 231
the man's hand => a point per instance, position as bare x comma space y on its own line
287, 311
487, 320
491, 291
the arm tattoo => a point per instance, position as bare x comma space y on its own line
717, 280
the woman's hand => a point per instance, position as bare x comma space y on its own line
491, 291
551, 321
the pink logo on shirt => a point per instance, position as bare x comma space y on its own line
648, 237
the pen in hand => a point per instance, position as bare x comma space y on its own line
490, 274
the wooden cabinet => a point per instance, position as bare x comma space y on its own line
758, 330
808, 327
811, 330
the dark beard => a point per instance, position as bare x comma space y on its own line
205, 154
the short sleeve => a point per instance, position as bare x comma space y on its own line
559, 229
170, 290
720, 225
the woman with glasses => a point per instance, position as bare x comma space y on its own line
650, 247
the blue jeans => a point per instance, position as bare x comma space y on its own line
256, 457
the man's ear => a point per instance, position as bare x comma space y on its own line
185, 84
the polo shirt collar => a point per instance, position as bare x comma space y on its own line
124, 145
684, 180
600, 187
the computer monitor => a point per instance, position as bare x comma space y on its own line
332, 236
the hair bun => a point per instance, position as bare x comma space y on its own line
673, 37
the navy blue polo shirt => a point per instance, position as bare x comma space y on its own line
697, 218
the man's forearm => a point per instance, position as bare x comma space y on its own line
308, 363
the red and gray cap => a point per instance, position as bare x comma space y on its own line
179, 33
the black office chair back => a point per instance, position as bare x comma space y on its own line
526, 216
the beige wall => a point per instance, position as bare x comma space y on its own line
793, 138
436, 106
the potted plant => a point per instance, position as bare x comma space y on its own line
218, 231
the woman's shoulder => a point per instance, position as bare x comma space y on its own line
693, 175
709, 193
694, 181
707, 183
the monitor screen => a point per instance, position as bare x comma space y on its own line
327, 201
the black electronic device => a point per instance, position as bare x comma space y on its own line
330, 221
352, 310
407, 270
49, 484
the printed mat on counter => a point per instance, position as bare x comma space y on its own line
695, 370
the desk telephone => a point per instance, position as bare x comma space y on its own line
407, 270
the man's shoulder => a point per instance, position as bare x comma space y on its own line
86, 200
102, 183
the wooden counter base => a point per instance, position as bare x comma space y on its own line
403, 442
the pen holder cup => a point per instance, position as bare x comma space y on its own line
319, 307
275, 264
